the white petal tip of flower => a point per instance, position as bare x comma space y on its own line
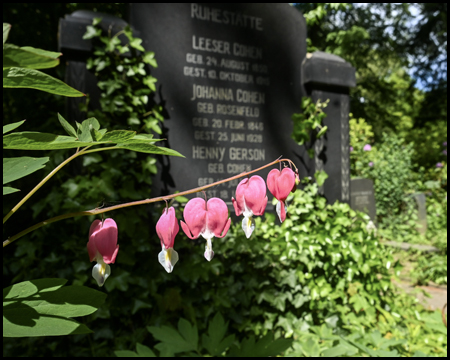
281, 209
209, 254
248, 225
168, 258
101, 272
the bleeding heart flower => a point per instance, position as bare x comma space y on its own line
102, 247
281, 184
251, 199
167, 228
207, 219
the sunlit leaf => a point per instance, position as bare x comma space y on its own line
12, 126
44, 307
29, 57
16, 168
15, 77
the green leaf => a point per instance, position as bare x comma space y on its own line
336, 351
149, 58
88, 128
91, 32
16, 168
189, 332
40, 141
214, 342
65, 124
28, 57
118, 136
9, 190
266, 346
33, 79
6, 29
12, 126
150, 149
144, 351
43, 307
171, 340
322, 132
125, 353
320, 176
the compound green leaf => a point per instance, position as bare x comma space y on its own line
189, 332
125, 353
44, 307
214, 342
171, 340
16, 77
144, 351
16, 168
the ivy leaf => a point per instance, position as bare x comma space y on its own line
320, 176
16, 77
16, 168
10, 127
149, 58
65, 124
91, 32
322, 132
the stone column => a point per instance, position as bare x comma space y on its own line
76, 51
326, 76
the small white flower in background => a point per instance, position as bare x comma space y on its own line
371, 228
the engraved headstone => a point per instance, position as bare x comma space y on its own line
362, 197
230, 76
231, 80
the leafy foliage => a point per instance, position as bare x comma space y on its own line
386, 43
121, 67
309, 123
44, 307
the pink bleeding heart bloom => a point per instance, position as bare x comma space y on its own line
102, 247
207, 219
167, 228
281, 184
251, 199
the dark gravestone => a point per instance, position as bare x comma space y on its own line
230, 77
363, 197
328, 76
76, 51
421, 213
230, 80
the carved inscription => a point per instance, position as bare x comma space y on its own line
229, 84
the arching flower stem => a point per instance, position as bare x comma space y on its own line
97, 211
